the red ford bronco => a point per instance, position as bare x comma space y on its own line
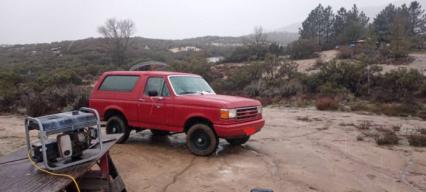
171, 102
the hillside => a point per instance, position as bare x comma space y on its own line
91, 50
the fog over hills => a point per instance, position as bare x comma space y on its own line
46, 21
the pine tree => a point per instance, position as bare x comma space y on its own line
339, 25
350, 25
417, 19
383, 23
318, 27
417, 23
400, 41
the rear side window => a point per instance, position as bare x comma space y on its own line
124, 83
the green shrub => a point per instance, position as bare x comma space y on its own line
53, 99
399, 109
330, 89
302, 49
9, 81
422, 90
352, 76
398, 85
252, 89
290, 88
58, 78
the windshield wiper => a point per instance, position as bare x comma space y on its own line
196, 92
189, 92
206, 92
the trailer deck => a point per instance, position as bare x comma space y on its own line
17, 173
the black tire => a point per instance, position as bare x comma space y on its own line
238, 141
201, 140
116, 124
159, 132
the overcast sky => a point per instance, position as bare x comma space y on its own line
32, 21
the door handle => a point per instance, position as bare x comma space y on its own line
157, 106
141, 100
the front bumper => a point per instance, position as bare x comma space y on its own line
239, 129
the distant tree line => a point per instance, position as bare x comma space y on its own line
395, 29
327, 29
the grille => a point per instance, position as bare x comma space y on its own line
246, 113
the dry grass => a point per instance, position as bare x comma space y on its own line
389, 109
306, 119
326, 103
364, 125
422, 114
396, 128
417, 140
422, 131
387, 138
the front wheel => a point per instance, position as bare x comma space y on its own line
201, 140
116, 124
238, 141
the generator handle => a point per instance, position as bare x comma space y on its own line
41, 134
98, 124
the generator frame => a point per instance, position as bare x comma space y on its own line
43, 137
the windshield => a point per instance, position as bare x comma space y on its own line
184, 85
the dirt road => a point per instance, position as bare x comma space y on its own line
308, 65
298, 150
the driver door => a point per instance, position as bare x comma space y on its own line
155, 108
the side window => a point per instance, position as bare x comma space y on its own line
165, 92
124, 83
157, 84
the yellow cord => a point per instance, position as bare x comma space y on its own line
54, 174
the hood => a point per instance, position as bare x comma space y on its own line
220, 101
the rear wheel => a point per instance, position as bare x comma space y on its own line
201, 140
116, 124
159, 132
238, 141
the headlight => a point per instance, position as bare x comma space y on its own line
259, 109
228, 113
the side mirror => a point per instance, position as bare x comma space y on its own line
152, 93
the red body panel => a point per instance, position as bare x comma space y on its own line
172, 112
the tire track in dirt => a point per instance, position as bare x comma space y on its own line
176, 176
405, 171
276, 171
383, 172
269, 161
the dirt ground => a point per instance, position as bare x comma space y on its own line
307, 65
298, 150
418, 63
11, 133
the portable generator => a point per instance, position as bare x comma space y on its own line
65, 139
